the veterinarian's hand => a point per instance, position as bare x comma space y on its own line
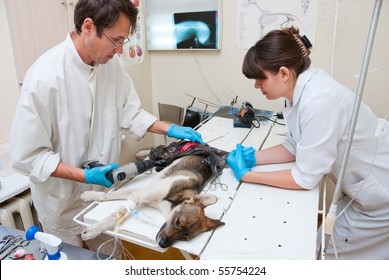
237, 163
184, 132
249, 156
96, 175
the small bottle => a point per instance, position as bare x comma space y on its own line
49, 242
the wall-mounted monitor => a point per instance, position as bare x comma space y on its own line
183, 24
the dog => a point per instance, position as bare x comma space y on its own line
176, 191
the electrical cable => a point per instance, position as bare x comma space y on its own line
205, 79
332, 207
256, 123
373, 70
266, 118
387, 114
126, 253
334, 37
333, 242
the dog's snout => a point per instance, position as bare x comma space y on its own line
163, 240
163, 243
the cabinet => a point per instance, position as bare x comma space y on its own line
36, 26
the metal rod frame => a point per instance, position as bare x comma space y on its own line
358, 99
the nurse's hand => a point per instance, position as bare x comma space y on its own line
184, 132
249, 156
97, 176
237, 163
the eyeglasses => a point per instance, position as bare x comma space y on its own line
116, 45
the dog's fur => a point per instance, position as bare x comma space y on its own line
176, 192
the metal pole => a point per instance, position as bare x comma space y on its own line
331, 216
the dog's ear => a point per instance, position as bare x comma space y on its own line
212, 224
203, 200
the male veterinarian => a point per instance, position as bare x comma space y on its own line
75, 100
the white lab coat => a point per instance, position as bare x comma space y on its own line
318, 122
71, 112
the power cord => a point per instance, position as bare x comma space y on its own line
266, 118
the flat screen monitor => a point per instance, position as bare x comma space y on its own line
183, 24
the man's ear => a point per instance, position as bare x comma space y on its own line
87, 26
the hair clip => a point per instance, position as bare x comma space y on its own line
303, 43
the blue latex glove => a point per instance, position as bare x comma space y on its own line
249, 156
184, 132
237, 163
96, 175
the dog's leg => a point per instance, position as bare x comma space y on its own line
165, 207
110, 222
103, 196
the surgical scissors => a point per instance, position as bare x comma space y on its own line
11, 243
21, 243
8, 240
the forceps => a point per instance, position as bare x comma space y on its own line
216, 183
11, 244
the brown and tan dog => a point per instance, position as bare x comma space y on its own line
176, 192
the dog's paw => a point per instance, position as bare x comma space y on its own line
92, 196
90, 233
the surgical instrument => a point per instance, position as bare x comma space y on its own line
12, 244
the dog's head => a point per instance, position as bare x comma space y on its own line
187, 221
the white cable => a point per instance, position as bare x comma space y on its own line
334, 37
387, 114
374, 70
205, 79
127, 253
329, 220
123, 249
335, 251
332, 212
324, 202
113, 250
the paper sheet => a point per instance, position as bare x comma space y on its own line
255, 18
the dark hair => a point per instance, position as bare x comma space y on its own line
104, 13
276, 49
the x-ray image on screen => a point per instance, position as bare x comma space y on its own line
196, 30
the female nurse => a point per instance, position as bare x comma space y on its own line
318, 116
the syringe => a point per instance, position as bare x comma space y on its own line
130, 206
145, 217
